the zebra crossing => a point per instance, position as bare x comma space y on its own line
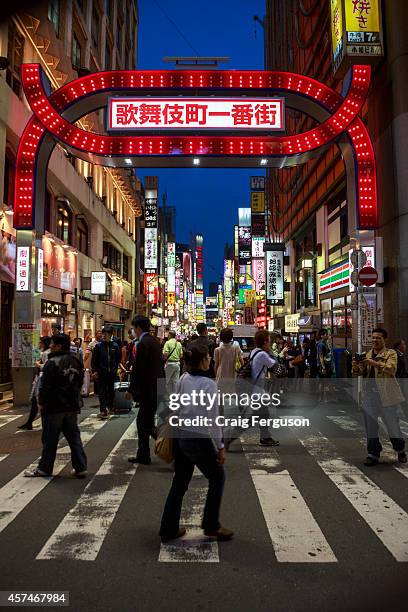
293, 531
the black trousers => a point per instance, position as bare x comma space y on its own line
67, 424
145, 424
106, 390
188, 453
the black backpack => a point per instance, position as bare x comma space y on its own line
245, 371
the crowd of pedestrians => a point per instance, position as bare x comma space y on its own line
193, 365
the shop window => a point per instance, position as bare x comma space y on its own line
108, 56
82, 236
95, 27
54, 9
15, 53
64, 222
126, 267
9, 178
76, 52
112, 257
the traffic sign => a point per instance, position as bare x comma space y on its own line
358, 258
368, 276
354, 278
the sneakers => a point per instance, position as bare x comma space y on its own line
222, 534
402, 457
268, 442
370, 461
82, 474
180, 533
104, 414
35, 473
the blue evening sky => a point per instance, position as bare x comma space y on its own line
207, 200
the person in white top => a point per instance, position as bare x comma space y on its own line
200, 446
227, 357
261, 361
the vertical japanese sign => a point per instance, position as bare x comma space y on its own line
23, 269
171, 267
244, 236
258, 231
150, 237
356, 31
274, 262
40, 270
199, 261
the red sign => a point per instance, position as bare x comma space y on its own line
60, 266
368, 276
195, 113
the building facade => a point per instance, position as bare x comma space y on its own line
91, 212
308, 204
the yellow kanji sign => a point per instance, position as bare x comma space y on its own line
362, 15
258, 202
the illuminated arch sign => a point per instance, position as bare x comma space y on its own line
54, 120
195, 113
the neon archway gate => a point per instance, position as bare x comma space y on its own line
55, 114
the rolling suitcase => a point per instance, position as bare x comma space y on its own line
120, 404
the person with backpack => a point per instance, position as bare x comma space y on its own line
59, 399
260, 361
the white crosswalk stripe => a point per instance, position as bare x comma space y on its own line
194, 547
81, 533
382, 514
295, 534
20, 491
3, 457
347, 423
5, 419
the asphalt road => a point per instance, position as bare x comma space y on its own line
314, 528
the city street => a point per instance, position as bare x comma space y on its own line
314, 528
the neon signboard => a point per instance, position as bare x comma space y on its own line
195, 113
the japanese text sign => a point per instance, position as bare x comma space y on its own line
23, 269
196, 113
274, 274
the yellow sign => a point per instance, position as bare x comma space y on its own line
336, 26
171, 298
250, 297
362, 15
258, 201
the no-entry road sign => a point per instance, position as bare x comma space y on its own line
368, 276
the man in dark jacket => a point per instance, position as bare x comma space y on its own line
106, 357
146, 370
59, 400
203, 341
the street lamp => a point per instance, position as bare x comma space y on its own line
306, 262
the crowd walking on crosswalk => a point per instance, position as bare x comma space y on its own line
202, 367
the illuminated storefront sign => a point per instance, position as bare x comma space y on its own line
258, 273
171, 267
23, 269
195, 113
99, 283
244, 235
258, 246
150, 249
40, 270
258, 201
274, 274
356, 31
199, 261
151, 288
257, 183
335, 277
292, 323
